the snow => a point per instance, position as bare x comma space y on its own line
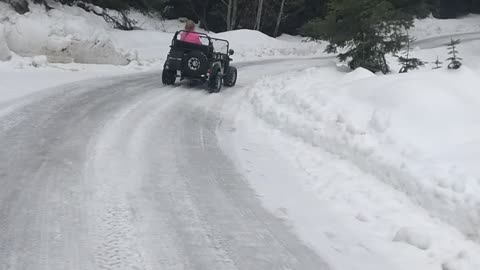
39, 61
64, 35
413, 237
372, 170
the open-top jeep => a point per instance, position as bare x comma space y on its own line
207, 62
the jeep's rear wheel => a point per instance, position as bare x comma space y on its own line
230, 79
215, 83
168, 77
195, 64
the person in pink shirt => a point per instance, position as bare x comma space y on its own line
189, 36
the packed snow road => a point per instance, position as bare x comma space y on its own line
123, 173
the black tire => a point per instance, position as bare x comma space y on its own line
168, 77
195, 64
215, 83
230, 79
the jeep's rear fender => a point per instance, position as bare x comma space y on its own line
174, 60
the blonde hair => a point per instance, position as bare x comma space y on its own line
189, 25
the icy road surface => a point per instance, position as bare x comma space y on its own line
123, 173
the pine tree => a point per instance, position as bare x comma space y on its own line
454, 59
438, 64
368, 29
407, 62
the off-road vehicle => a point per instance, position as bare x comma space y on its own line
208, 63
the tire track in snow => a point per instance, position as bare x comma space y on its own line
113, 170
214, 200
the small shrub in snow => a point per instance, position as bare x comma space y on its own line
438, 64
407, 62
454, 59
413, 237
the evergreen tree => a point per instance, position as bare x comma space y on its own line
407, 62
367, 29
454, 59
438, 64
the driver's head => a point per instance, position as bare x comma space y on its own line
190, 26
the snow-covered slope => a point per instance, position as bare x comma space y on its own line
64, 35
388, 162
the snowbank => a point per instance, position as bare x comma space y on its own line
66, 34
388, 161
327, 152
417, 132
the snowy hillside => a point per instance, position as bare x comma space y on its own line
389, 162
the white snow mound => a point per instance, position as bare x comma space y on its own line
413, 237
39, 61
64, 35
358, 74
417, 132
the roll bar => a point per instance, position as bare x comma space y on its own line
210, 39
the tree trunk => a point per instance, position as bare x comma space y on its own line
204, 16
258, 21
234, 14
279, 19
229, 15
